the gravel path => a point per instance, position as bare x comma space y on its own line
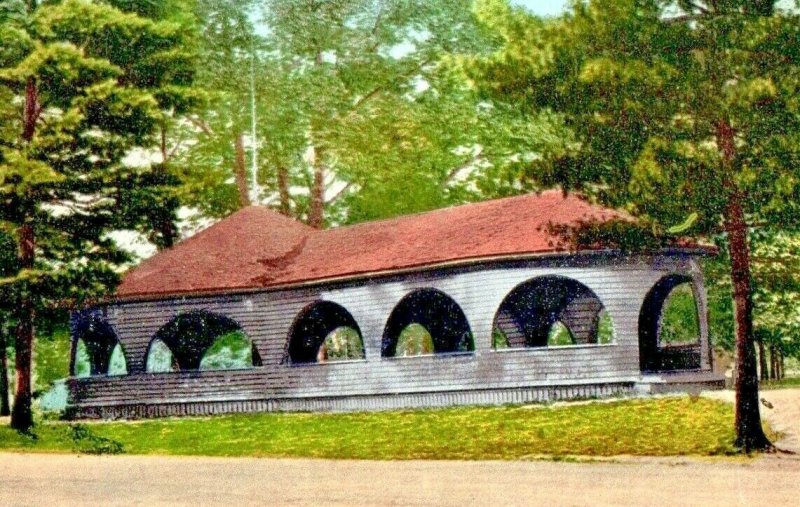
781, 408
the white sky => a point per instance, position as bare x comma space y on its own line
556, 7
543, 7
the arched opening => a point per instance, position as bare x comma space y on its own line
324, 331
96, 349
551, 311
669, 326
428, 321
200, 340
160, 358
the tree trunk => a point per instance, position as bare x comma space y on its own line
166, 229
317, 207
240, 170
5, 408
21, 415
283, 190
773, 359
163, 223
762, 359
749, 433
31, 112
781, 364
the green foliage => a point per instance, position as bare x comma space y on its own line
116, 365
679, 323
776, 292
559, 335
81, 85
605, 328
85, 441
414, 340
343, 343
644, 427
642, 88
52, 357
499, 339
100, 77
159, 358
676, 109
777, 289
784, 383
229, 351
377, 110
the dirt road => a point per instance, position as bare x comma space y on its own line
31, 479
152, 481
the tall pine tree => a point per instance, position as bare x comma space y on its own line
678, 110
87, 83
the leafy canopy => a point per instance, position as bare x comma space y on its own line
643, 86
95, 81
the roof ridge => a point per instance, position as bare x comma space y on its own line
241, 211
263, 248
453, 207
203, 233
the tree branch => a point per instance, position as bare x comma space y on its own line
339, 194
202, 125
454, 171
375, 91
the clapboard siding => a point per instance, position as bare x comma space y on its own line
621, 284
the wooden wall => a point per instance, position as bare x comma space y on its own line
483, 376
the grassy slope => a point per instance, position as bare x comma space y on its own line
656, 427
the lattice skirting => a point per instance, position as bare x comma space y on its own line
351, 403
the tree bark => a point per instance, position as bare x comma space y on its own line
21, 414
773, 359
240, 170
31, 112
164, 235
317, 207
283, 190
166, 228
762, 359
5, 407
749, 433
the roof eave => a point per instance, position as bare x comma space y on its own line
698, 251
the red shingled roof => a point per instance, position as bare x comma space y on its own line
258, 248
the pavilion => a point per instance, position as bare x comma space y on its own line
482, 303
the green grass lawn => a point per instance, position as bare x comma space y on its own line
654, 427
